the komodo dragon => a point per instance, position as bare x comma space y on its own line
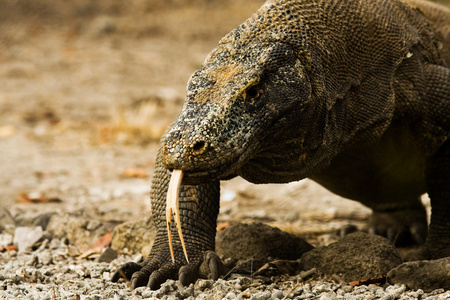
354, 94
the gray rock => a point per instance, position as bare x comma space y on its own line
415, 294
329, 295
6, 220
425, 275
357, 256
360, 290
43, 219
25, 237
187, 292
396, 290
108, 255
6, 239
261, 296
34, 219
259, 241
45, 257
322, 288
136, 236
204, 284
277, 294
347, 288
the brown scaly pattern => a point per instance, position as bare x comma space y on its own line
353, 94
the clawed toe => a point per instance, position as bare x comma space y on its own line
187, 275
139, 278
212, 266
155, 280
126, 271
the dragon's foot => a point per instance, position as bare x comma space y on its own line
401, 227
155, 270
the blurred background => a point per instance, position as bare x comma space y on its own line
87, 88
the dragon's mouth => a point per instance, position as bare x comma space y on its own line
226, 170
193, 177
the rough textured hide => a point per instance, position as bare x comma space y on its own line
353, 94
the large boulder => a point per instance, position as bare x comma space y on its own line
357, 256
427, 275
134, 236
259, 241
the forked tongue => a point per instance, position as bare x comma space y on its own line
172, 208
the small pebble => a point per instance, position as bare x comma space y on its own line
204, 284
318, 289
230, 295
396, 290
108, 255
359, 290
415, 294
147, 293
277, 294
261, 296
328, 296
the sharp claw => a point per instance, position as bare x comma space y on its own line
125, 272
115, 277
187, 275
211, 266
172, 208
120, 274
155, 280
184, 279
214, 269
134, 283
153, 284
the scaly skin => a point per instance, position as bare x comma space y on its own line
353, 94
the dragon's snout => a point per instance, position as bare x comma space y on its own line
187, 155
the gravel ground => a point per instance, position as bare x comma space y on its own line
50, 272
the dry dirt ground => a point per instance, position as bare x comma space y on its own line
86, 89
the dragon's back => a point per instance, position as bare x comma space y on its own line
438, 17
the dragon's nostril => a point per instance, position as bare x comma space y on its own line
200, 146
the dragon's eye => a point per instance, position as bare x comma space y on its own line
252, 92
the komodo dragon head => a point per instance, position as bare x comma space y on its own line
235, 106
